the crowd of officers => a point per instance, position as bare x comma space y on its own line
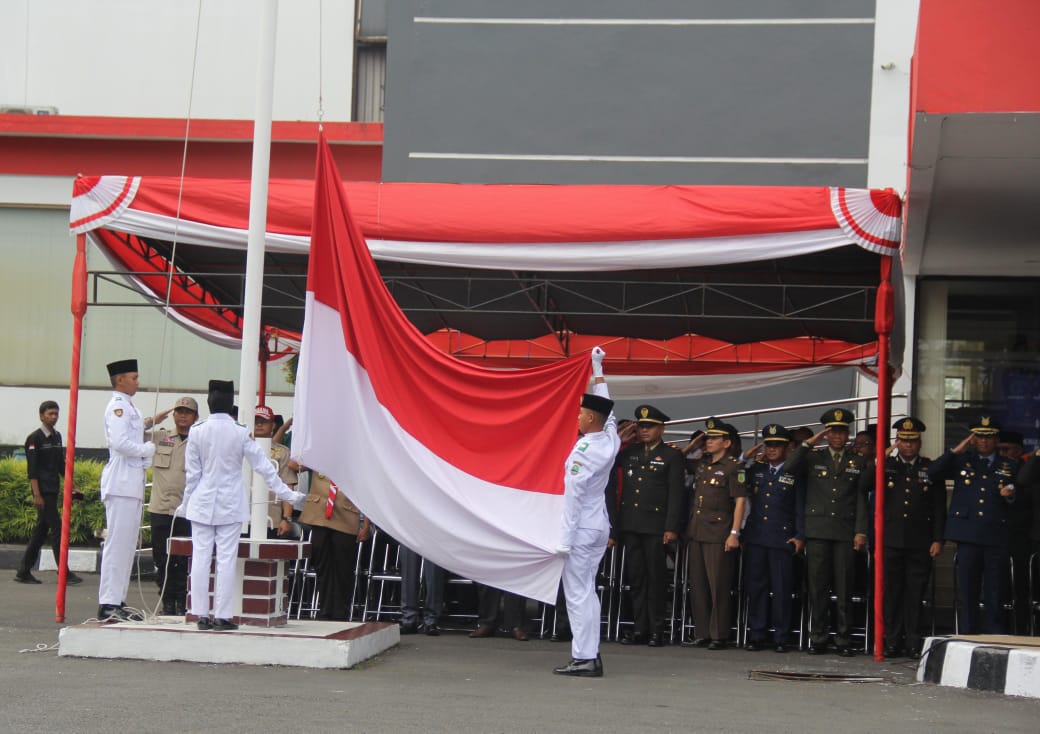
800, 495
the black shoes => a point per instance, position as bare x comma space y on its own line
782, 647
846, 652
717, 645
893, 652
26, 578
655, 640
696, 642
71, 579
583, 668
408, 628
633, 638
817, 650
204, 624
114, 613
431, 629
755, 646
224, 625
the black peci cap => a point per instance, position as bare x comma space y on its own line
597, 403
121, 367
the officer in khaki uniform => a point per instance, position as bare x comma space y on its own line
719, 496
915, 516
337, 527
167, 493
837, 483
279, 514
649, 518
978, 520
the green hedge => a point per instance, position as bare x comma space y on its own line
18, 515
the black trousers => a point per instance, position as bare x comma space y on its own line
769, 570
981, 574
830, 567
48, 525
906, 583
647, 575
334, 555
488, 601
171, 576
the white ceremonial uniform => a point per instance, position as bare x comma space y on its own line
586, 529
122, 492
216, 502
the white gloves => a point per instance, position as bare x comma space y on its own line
563, 550
597, 361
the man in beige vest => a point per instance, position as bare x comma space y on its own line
337, 527
167, 494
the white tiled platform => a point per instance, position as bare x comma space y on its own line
304, 644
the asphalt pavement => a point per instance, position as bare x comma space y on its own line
454, 684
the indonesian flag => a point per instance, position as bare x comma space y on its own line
462, 464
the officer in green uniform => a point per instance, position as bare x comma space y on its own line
837, 483
649, 518
719, 496
915, 517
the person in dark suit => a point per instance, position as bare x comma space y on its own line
837, 484
773, 534
1028, 482
45, 464
978, 519
713, 532
648, 519
915, 517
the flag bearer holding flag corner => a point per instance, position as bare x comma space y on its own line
585, 527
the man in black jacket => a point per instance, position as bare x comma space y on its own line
45, 462
915, 518
649, 518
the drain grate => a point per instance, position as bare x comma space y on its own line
813, 677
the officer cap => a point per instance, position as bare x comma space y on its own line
122, 367
838, 418
188, 403
597, 403
984, 425
1012, 437
775, 433
716, 427
650, 414
909, 428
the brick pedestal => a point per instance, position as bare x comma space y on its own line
261, 568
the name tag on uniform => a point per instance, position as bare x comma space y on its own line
852, 470
786, 479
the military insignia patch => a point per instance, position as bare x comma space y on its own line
582, 446
644, 412
576, 467
740, 475
118, 412
908, 425
838, 415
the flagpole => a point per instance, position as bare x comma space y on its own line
253, 296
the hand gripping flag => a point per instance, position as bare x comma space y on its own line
462, 464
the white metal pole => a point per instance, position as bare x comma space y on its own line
248, 367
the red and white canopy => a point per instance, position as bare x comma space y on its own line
541, 228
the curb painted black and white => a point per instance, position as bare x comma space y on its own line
981, 665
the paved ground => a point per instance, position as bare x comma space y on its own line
452, 683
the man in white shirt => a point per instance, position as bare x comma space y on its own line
585, 526
122, 487
215, 502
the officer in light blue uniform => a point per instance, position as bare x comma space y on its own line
773, 534
983, 487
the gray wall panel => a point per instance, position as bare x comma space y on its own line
774, 91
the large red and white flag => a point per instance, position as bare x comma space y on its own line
460, 463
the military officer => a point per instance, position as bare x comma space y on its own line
915, 517
167, 493
336, 529
649, 518
773, 534
279, 514
837, 483
713, 531
983, 487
